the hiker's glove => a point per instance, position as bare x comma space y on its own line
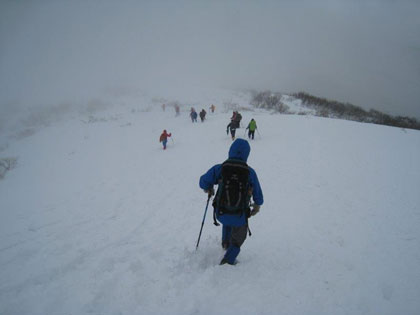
255, 209
209, 191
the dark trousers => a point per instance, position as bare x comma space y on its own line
235, 236
232, 126
251, 134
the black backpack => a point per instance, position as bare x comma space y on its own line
233, 195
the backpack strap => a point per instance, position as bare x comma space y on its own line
248, 212
214, 217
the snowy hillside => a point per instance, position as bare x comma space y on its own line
97, 219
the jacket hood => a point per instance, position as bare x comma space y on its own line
239, 150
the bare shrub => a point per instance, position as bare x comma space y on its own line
230, 106
323, 112
282, 108
244, 109
6, 164
330, 108
269, 100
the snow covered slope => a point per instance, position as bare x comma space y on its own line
97, 219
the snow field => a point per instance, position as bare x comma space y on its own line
98, 219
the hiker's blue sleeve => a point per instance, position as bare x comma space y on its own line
257, 194
211, 177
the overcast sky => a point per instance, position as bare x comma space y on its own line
366, 52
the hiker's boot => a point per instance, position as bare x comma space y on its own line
225, 261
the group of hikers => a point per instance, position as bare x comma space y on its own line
235, 123
239, 195
193, 115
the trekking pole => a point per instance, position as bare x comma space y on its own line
258, 133
173, 140
202, 224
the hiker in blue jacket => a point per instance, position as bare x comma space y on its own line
235, 226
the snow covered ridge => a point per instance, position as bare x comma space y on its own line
309, 104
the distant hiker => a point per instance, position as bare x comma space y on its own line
203, 115
252, 126
164, 138
193, 115
232, 128
237, 119
212, 108
237, 183
176, 110
163, 107
233, 118
233, 125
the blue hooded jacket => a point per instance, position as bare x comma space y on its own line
238, 150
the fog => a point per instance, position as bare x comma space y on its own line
363, 52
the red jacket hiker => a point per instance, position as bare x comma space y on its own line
164, 138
